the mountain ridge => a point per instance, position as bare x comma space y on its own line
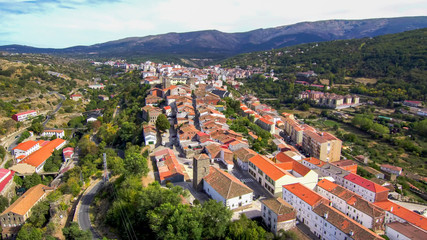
221, 44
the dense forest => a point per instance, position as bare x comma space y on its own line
397, 61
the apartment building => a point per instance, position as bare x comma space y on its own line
367, 189
353, 205
272, 176
322, 145
19, 117
277, 214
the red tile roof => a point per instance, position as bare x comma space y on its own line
5, 177
40, 156
327, 185
404, 213
315, 161
225, 184
365, 183
306, 194
268, 167
25, 145
24, 113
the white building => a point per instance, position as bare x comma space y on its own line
367, 189
391, 169
322, 219
24, 149
353, 205
277, 214
227, 189
397, 213
19, 117
242, 156
53, 132
150, 135
272, 176
326, 169
404, 231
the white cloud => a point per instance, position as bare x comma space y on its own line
103, 21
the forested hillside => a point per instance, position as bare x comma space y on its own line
397, 61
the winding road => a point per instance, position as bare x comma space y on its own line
83, 211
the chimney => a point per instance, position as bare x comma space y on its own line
391, 209
325, 215
351, 233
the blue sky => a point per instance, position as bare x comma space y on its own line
65, 23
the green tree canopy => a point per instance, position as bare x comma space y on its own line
162, 123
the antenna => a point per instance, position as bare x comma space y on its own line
105, 168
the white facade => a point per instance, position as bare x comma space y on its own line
365, 193
231, 203
395, 235
150, 139
304, 211
341, 205
20, 152
23, 117
57, 133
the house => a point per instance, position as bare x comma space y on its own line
170, 170
103, 97
326, 169
273, 176
395, 212
266, 125
167, 111
322, 219
322, 145
22, 116
225, 188
278, 214
367, 189
150, 135
24, 149
76, 97
6, 182
59, 133
96, 86
412, 103
68, 153
404, 231
150, 114
347, 165
391, 169
303, 200
329, 223
153, 100
16, 214
352, 205
242, 156
36, 160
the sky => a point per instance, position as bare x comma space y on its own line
65, 23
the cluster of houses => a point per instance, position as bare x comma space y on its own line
330, 100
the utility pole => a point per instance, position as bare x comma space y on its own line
105, 168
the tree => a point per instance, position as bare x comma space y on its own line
32, 180
162, 123
4, 203
421, 128
136, 163
245, 228
216, 219
29, 232
176, 222
73, 232
36, 127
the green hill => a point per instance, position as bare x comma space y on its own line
397, 61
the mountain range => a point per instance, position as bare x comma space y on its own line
219, 45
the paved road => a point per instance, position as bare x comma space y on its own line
86, 200
57, 107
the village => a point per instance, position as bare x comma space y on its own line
296, 178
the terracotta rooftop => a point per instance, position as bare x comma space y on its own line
27, 200
315, 161
365, 183
244, 154
408, 230
24, 146
268, 167
278, 205
404, 213
355, 230
40, 156
306, 194
225, 184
